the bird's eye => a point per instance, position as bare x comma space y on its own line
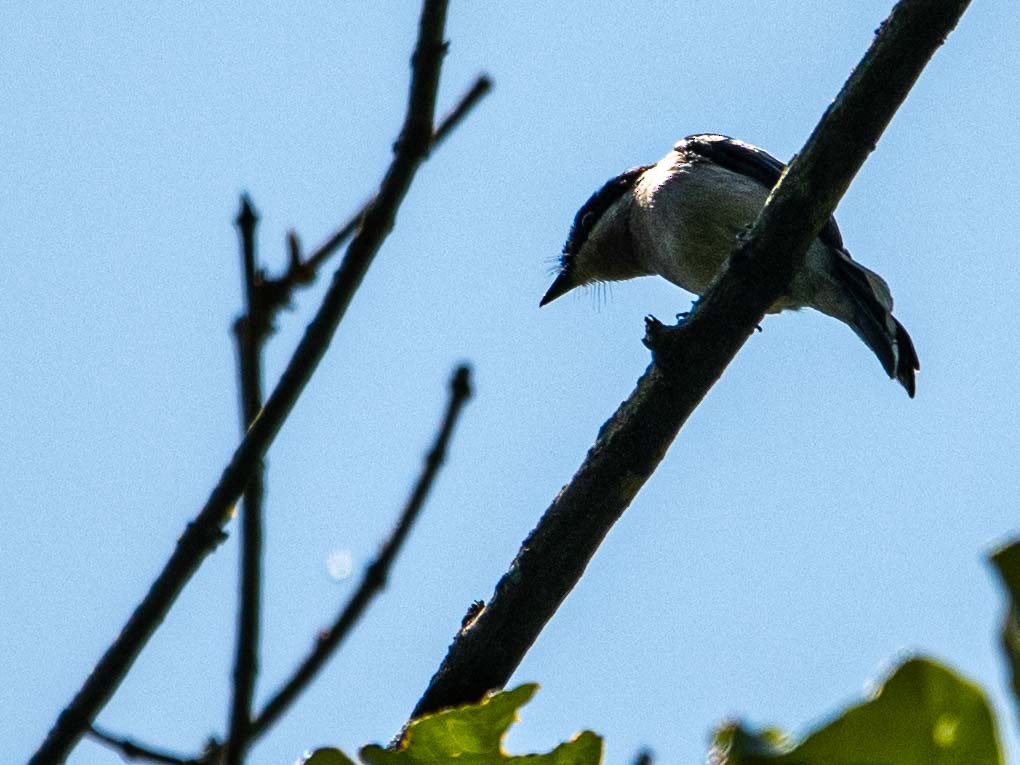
587, 219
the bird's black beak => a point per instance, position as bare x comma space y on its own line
563, 284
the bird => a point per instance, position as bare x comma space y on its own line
680, 217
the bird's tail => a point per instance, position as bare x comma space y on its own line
871, 318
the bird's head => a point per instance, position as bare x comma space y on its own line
598, 247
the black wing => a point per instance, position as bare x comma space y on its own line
752, 162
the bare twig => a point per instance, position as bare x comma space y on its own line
205, 531
688, 359
374, 579
302, 272
131, 750
251, 329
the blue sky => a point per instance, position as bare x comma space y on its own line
810, 525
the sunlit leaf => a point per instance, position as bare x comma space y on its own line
473, 735
924, 714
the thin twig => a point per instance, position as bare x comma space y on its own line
251, 329
688, 359
374, 579
131, 750
205, 531
644, 757
303, 272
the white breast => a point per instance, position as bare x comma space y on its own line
687, 216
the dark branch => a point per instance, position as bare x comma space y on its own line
375, 576
205, 531
251, 330
131, 750
688, 359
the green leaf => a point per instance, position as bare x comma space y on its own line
473, 735
1007, 562
327, 757
924, 714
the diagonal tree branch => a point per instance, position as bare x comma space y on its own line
264, 298
205, 531
375, 576
251, 330
688, 359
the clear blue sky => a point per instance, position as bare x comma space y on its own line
810, 525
